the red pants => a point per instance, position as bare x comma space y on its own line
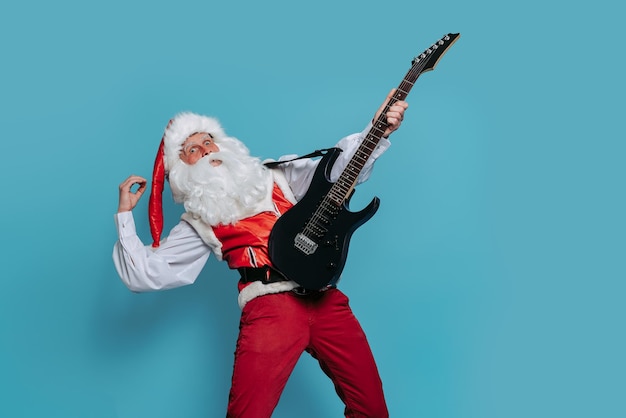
274, 331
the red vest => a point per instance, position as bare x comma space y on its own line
244, 244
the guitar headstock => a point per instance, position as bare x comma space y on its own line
428, 59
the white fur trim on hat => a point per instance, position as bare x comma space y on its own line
182, 127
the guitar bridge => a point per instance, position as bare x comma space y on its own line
304, 244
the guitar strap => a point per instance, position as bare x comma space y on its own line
316, 153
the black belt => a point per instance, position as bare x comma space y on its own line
267, 274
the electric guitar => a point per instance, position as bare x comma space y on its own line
309, 243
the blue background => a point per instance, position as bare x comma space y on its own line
490, 283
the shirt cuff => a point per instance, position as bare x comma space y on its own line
125, 224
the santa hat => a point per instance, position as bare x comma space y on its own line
177, 131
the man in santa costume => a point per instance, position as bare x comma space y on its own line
232, 201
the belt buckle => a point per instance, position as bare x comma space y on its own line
301, 291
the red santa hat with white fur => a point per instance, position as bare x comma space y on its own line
181, 127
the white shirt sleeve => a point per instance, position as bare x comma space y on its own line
299, 173
176, 262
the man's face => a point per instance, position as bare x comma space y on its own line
197, 146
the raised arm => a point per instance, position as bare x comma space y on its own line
177, 262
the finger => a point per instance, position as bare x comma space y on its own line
390, 95
399, 107
394, 118
131, 180
140, 189
127, 182
392, 125
137, 179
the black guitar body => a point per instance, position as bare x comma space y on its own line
309, 243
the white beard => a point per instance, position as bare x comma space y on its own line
237, 188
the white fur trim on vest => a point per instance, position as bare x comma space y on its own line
258, 288
206, 233
283, 185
